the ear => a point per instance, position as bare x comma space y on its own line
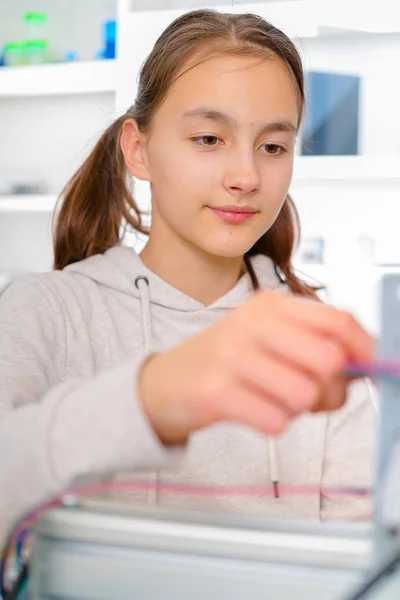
133, 148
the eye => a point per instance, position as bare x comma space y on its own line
208, 141
273, 149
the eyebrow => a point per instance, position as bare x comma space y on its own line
219, 117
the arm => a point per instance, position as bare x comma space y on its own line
52, 431
350, 455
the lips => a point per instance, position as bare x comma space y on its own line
236, 209
234, 214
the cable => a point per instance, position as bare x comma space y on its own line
385, 571
373, 393
385, 370
4, 562
19, 584
24, 523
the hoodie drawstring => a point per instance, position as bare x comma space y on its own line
142, 284
273, 463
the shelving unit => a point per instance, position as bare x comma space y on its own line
63, 78
50, 116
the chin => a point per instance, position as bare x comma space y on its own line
224, 250
231, 242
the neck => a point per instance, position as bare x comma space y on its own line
190, 270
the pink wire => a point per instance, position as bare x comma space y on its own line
177, 489
380, 367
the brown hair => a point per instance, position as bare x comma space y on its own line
97, 204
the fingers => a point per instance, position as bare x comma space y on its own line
246, 406
325, 320
293, 390
319, 357
291, 365
271, 380
333, 396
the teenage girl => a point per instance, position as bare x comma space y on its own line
205, 360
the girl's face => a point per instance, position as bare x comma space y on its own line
223, 141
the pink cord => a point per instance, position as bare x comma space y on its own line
378, 368
177, 489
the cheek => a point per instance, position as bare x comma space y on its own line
276, 181
183, 171
287, 176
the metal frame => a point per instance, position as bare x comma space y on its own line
98, 553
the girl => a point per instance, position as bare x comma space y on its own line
168, 366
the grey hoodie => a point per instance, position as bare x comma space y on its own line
71, 344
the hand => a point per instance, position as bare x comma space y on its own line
263, 364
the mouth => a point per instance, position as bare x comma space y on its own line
234, 214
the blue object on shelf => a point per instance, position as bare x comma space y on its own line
110, 37
71, 55
332, 115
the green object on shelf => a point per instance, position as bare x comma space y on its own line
13, 46
42, 44
35, 52
13, 53
35, 25
35, 17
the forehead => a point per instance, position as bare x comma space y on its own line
245, 87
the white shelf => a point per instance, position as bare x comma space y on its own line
27, 204
315, 169
62, 78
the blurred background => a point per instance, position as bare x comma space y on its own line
69, 67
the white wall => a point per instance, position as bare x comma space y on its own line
33, 252
356, 220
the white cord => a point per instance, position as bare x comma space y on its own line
373, 393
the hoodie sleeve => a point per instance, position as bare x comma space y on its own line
349, 459
52, 432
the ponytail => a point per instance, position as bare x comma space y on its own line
96, 203
278, 243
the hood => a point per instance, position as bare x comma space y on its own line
119, 267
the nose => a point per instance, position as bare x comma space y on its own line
242, 176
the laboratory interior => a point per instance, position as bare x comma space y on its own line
218, 528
